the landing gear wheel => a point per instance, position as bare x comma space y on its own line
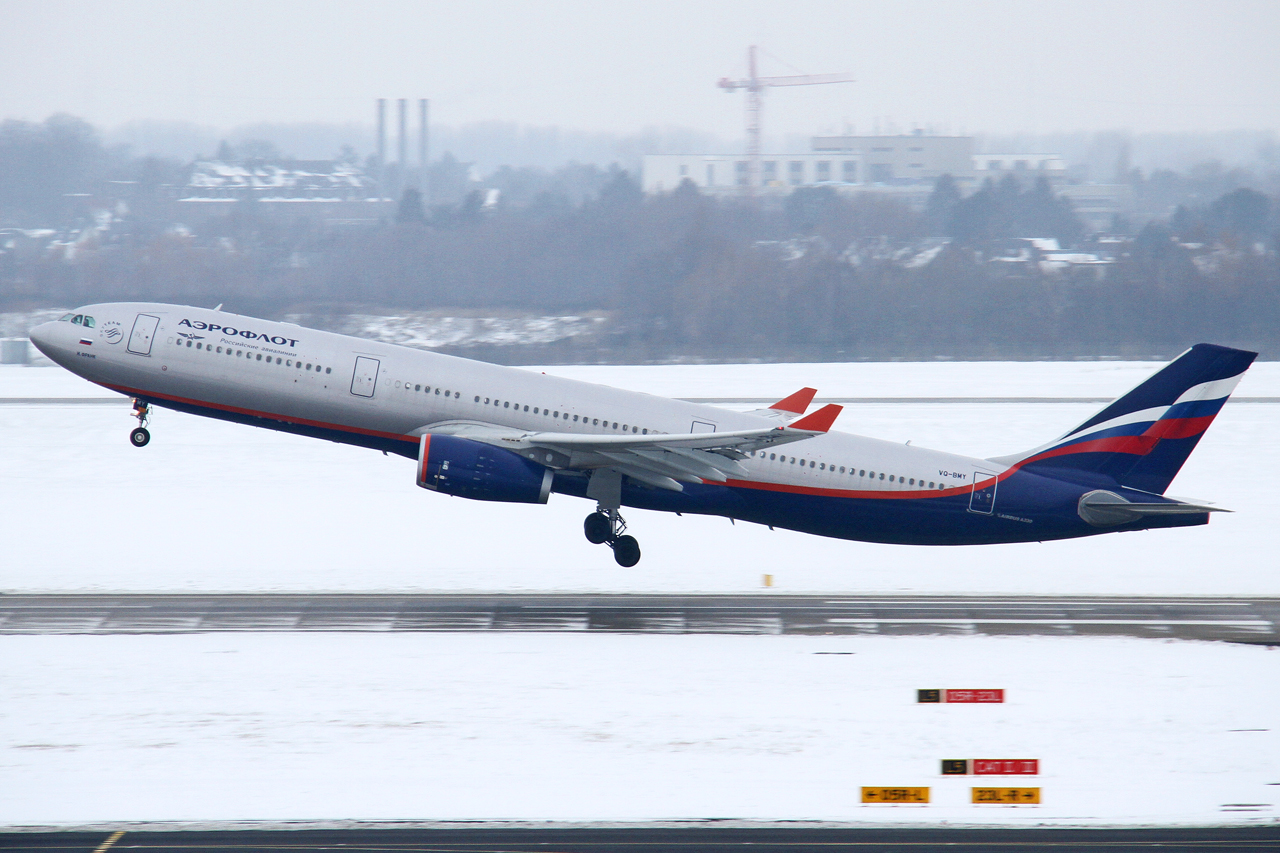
598, 528
626, 551
142, 411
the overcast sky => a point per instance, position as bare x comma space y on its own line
949, 65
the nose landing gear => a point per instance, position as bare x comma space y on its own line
141, 436
607, 526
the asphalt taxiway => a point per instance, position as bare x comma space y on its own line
1253, 620
659, 839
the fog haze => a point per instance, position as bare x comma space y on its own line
997, 67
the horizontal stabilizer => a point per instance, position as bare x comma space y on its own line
1107, 509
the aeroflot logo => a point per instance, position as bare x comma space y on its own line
244, 333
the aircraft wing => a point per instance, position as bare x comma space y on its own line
788, 408
659, 460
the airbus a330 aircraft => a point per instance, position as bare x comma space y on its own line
505, 434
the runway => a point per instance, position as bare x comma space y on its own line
797, 838
1255, 620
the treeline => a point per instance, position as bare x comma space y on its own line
820, 274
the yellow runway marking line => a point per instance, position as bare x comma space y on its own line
111, 839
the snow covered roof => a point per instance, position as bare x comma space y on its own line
297, 176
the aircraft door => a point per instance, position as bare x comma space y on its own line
144, 330
983, 498
364, 380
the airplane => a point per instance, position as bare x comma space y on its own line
494, 433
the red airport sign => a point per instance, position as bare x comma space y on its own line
937, 696
973, 696
990, 766
1006, 766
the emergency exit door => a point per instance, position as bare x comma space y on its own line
364, 380
144, 329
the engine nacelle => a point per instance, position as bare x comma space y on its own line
472, 469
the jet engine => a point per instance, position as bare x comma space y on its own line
472, 469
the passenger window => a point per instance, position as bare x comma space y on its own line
881, 475
486, 400
199, 345
841, 469
615, 424
773, 456
188, 344
309, 367
575, 419
477, 399
239, 353
506, 405
911, 482
417, 387
644, 432
862, 473
595, 422
624, 427
535, 410
822, 466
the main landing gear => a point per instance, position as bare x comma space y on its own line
140, 436
607, 526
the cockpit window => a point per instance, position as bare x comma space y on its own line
78, 319
65, 318
88, 321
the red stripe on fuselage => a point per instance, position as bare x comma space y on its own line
133, 392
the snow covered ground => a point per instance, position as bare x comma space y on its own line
278, 727
214, 506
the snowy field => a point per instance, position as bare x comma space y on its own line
597, 727
280, 727
217, 507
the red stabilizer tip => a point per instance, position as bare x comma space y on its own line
819, 421
797, 402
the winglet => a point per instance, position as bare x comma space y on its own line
819, 421
797, 402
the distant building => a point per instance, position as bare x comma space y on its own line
905, 159
321, 188
995, 166
779, 173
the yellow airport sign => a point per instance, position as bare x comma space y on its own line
895, 796
1007, 796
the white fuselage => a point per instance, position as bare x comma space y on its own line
367, 390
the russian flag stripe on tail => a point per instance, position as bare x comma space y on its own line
1142, 439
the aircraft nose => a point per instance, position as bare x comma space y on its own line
43, 337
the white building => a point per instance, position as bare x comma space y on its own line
779, 173
1051, 166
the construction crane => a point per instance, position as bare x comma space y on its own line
755, 86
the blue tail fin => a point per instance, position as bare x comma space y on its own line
1142, 439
